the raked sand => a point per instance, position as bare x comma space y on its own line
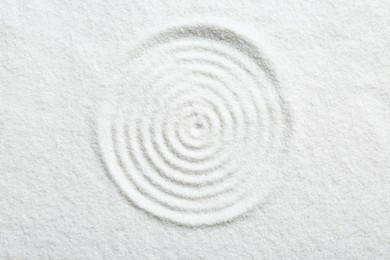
194, 130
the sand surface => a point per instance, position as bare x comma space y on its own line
194, 130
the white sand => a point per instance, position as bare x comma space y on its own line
234, 130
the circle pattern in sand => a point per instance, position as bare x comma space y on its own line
210, 109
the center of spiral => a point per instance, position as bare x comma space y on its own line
199, 125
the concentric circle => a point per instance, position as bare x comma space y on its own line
200, 145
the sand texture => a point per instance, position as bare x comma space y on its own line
194, 130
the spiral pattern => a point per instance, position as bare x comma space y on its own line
210, 106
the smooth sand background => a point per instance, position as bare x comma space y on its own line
60, 60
